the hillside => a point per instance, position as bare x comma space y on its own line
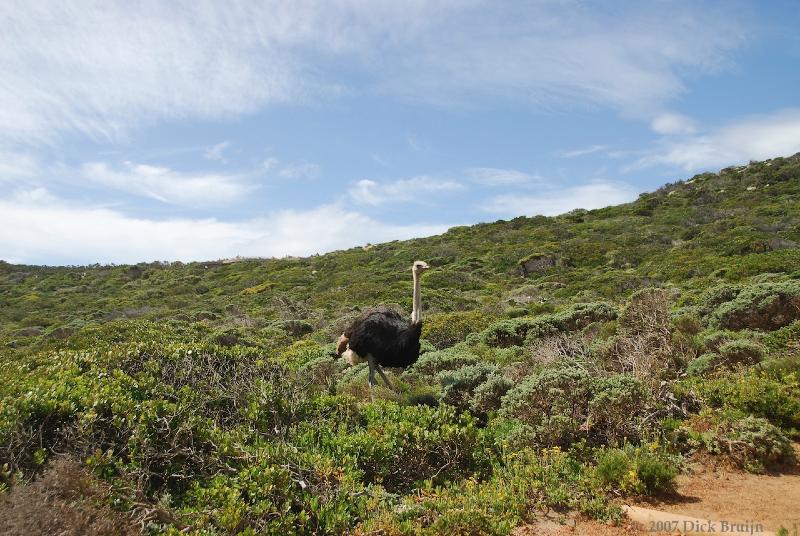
692, 234
568, 362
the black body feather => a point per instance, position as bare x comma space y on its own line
391, 339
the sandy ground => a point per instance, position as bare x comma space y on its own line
772, 500
709, 492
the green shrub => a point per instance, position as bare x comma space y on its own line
400, 446
741, 352
716, 296
516, 331
458, 386
702, 364
295, 328
525, 484
712, 340
614, 409
552, 402
283, 491
688, 323
446, 329
232, 337
752, 443
637, 470
488, 396
753, 393
781, 367
438, 361
785, 338
765, 306
301, 352
561, 404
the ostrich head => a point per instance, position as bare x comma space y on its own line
419, 266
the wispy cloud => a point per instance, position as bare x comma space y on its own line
291, 170
672, 123
167, 185
15, 165
500, 177
554, 201
583, 151
299, 170
48, 229
422, 189
99, 72
215, 152
752, 138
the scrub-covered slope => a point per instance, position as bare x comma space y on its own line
567, 362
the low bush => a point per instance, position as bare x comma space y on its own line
785, 338
232, 336
752, 443
702, 365
488, 396
637, 470
301, 352
765, 306
516, 331
753, 393
294, 328
458, 386
522, 486
66, 500
741, 352
280, 491
438, 361
559, 405
401, 446
643, 345
446, 329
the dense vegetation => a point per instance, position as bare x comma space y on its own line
568, 362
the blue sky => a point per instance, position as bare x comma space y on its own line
204, 130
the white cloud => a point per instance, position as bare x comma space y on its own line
215, 152
271, 163
500, 177
753, 138
15, 165
100, 70
630, 57
167, 185
672, 123
291, 170
416, 189
300, 170
583, 152
551, 202
39, 228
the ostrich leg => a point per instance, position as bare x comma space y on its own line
372, 365
385, 379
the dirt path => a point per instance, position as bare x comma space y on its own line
754, 502
771, 500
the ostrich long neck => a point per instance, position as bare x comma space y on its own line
416, 312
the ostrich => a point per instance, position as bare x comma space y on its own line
383, 338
